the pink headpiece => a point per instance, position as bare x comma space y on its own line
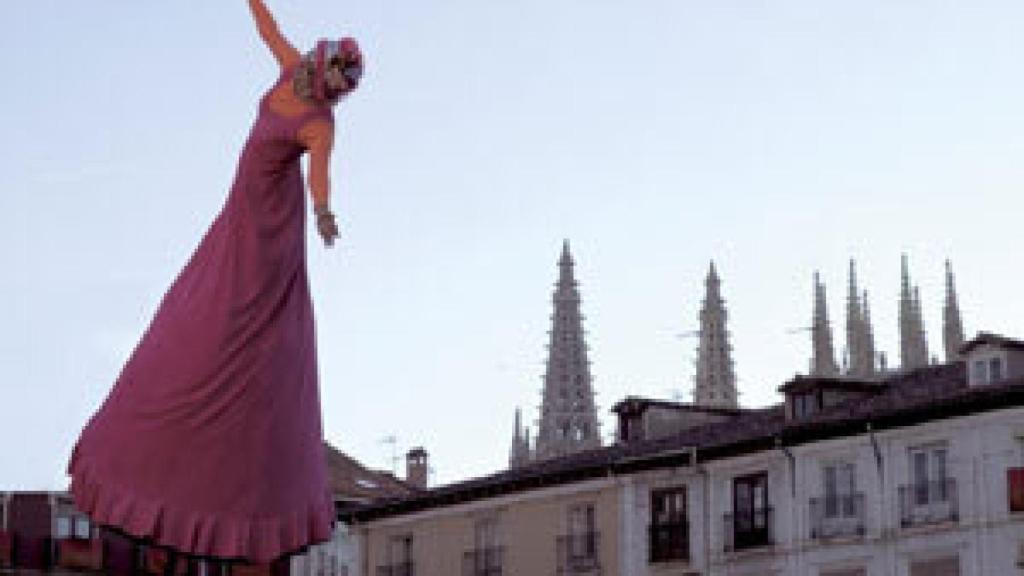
326, 50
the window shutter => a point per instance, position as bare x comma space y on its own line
1015, 482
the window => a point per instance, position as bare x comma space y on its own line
750, 516
582, 538
669, 537
486, 533
929, 474
581, 519
995, 370
980, 372
805, 405
63, 527
840, 486
82, 527
486, 557
400, 550
987, 370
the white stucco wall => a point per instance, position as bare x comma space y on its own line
986, 538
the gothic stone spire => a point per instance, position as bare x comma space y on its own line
913, 350
868, 334
715, 380
952, 323
823, 363
568, 419
859, 338
519, 455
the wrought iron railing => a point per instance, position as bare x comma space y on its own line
483, 561
579, 554
396, 569
837, 516
669, 542
929, 503
748, 529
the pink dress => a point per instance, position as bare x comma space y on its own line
210, 441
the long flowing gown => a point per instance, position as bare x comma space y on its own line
210, 441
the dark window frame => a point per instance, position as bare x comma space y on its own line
669, 529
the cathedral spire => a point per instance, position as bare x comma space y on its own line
715, 383
913, 349
952, 323
905, 315
568, 419
823, 362
859, 338
520, 452
868, 333
920, 336
854, 322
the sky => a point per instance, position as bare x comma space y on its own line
775, 137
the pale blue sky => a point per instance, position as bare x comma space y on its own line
777, 137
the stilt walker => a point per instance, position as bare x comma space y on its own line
210, 442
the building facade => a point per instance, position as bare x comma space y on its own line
565, 530
917, 473
45, 532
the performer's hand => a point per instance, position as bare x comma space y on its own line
326, 226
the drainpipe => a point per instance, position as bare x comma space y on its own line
878, 453
792, 464
707, 512
887, 537
796, 529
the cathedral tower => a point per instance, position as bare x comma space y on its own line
859, 337
715, 383
823, 362
913, 345
568, 415
952, 323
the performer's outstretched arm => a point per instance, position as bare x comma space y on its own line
284, 52
318, 137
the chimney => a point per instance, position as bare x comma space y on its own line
416, 468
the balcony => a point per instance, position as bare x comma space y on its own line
80, 554
927, 503
579, 554
670, 542
483, 561
396, 569
837, 517
748, 529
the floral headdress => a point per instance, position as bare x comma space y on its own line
346, 50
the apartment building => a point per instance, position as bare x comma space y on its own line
916, 473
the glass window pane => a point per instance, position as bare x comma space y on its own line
82, 528
980, 373
830, 482
63, 527
995, 370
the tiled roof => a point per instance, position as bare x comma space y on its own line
350, 480
994, 339
904, 399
